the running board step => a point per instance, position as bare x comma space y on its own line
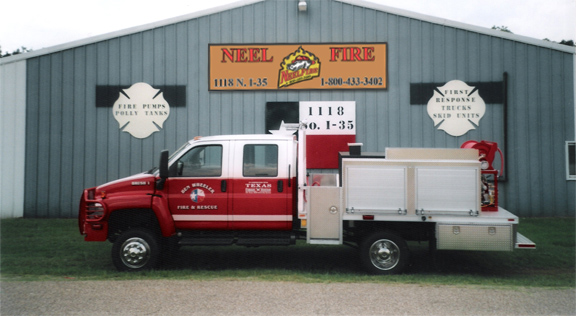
241, 239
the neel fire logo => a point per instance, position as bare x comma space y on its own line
297, 67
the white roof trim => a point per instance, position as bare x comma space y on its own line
263, 137
460, 25
361, 3
128, 31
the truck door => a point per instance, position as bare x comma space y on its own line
198, 188
262, 192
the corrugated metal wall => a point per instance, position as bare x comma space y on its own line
71, 144
12, 131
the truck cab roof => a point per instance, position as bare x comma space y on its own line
263, 137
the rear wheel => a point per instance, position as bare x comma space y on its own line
384, 253
136, 249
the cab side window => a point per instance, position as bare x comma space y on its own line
200, 161
260, 161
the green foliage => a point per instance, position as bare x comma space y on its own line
20, 50
52, 249
502, 28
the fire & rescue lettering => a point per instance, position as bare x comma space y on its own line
197, 207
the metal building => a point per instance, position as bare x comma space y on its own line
59, 133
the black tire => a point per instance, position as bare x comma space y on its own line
136, 249
384, 253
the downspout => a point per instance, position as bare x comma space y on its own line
505, 120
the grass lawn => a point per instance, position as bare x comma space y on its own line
52, 249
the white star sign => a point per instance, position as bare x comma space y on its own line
141, 110
456, 108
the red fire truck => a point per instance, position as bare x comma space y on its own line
254, 190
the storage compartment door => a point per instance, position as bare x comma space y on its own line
474, 237
452, 190
376, 189
325, 220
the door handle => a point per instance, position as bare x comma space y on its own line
280, 185
223, 185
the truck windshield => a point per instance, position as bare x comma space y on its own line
174, 154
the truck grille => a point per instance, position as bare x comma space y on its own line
94, 211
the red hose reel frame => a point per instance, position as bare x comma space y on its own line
487, 151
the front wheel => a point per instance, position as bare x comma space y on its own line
384, 253
136, 249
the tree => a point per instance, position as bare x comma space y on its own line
507, 30
20, 50
562, 42
502, 28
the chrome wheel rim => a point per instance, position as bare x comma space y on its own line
384, 254
135, 252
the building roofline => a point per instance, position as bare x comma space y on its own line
127, 31
238, 4
460, 25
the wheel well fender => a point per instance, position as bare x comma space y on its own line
163, 215
122, 220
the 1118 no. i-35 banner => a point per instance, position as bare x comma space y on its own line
298, 66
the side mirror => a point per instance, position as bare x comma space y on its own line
163, 168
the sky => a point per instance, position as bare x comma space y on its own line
37, 24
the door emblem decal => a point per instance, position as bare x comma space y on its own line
197, 195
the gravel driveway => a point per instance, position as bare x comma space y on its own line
180, 297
